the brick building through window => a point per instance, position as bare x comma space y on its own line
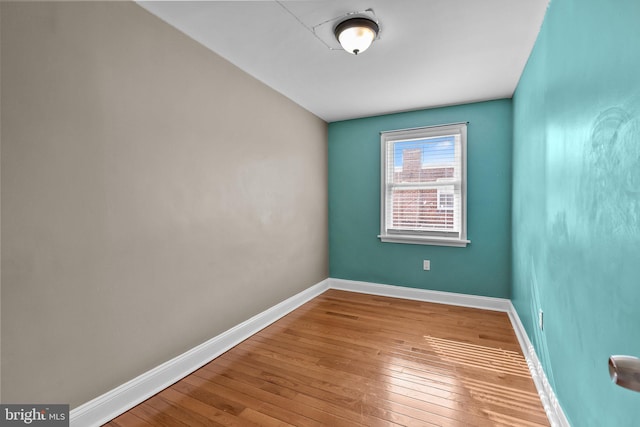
422, 208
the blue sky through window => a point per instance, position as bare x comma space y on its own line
435, 151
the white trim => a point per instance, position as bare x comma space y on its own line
425, 127
450, 298
113, 403
423, 240
552, 407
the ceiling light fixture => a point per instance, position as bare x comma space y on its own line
356, 34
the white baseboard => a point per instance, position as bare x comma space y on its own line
113, 403
552, 407
474, 301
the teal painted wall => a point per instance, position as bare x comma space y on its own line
482, 268
576, 203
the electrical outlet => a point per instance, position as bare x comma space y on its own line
426, 265
541, 319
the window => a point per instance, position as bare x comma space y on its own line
445, 198
424, 186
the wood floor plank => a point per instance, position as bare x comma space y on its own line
350, 359
262, 419
413, 356
202, 392
214, 411
128, 419
460, 403
308, 415
156, 417
357, 404
300, 378
179, 412
390, 367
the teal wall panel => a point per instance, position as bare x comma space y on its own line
482, 268
576, 203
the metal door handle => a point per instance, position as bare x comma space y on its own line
625, 371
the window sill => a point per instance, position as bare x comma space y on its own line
421, 240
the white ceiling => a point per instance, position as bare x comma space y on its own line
430, 52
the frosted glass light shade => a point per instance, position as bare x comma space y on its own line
356, 34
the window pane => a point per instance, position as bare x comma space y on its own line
445, 198
424, 160
418, 210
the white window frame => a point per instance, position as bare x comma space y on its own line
457, 238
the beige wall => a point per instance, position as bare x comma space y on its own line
153, 195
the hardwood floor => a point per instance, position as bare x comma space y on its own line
348, 359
